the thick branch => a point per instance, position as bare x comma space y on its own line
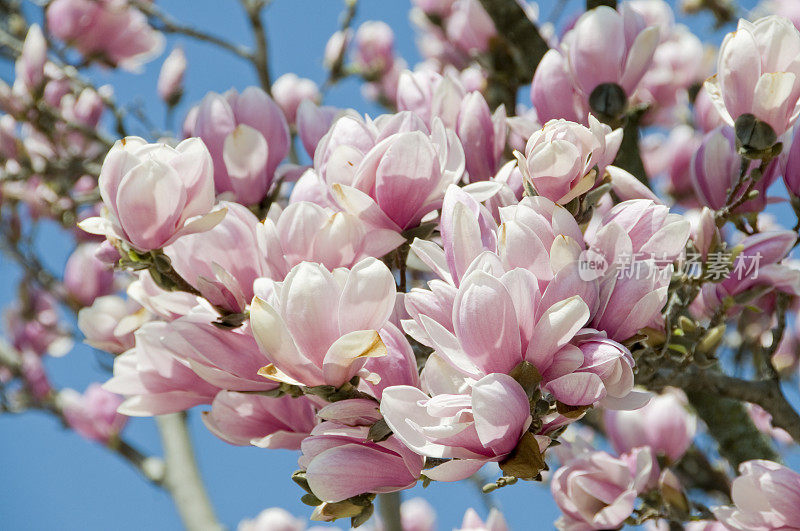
260, 57
389, 505
182, 478
629, 157
591, 4
516, 52
710, 387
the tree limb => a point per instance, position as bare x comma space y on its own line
182, 477
516, 52
389, 506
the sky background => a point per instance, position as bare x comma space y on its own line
52, 478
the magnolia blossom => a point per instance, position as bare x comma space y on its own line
155, 194
170, 78
112, 29
109, 323
605, 47
391, 172
473, 522
766, 497
222, 263
791, 166
244, 419
320, 327
563, 160
289, 91
482, 134
756, 76
247, 136
153, 381
341, 462
272, 519
29, 68
86, 277
305, 231
483, 424
664, 425
598, 491
374, 47
469, 26
716, 167
94, 413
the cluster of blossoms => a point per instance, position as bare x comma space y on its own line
442, 286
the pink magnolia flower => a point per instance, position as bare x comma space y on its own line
706, 116
228, 359
29, 67
374, 48
604, 47
756, 77
94, 413
559, 158
785, 8
290, 91
341, 462
394, 183
671, 158
153, 381
166, 305
638, 240
758, 264
272, 519
170, 78
305, 231
244, 419
763, 421
428, 94
417, 514
598, 491
155, 194
716, 166
109, 323
33, 325
111, 29
663, 424
222, 263
247, 136
766, 496
483, 136
34, 375
434, 7
313, 122
554, 95
86, 277
469, 26
484, 424
791, 166
494, 522
320, 327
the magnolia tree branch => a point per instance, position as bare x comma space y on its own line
515, 52
168, 25
710, 387
182, 478
389, 506
259, 58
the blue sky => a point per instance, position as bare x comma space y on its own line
53, 479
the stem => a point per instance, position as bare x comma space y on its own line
389, 505
168, 25
182, 477
260, 57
